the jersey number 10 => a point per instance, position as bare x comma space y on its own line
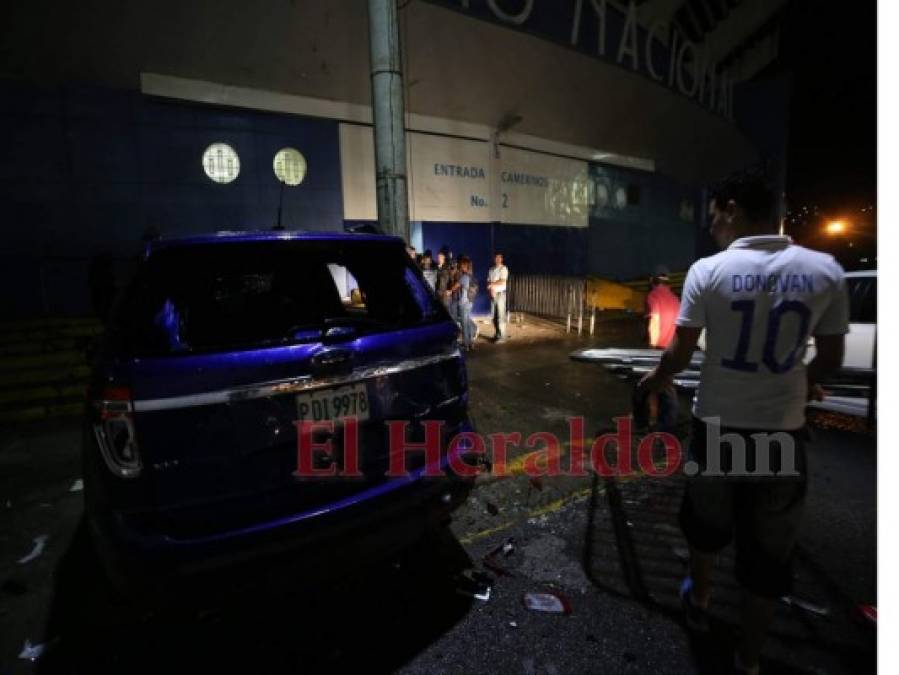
775, 316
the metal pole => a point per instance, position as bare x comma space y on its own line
592, 319
580, 310
389, 110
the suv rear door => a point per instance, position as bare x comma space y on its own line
224, 345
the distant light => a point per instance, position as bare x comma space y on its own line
864, 260
835, 227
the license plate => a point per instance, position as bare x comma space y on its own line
332, 404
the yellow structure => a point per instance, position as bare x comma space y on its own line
626, 295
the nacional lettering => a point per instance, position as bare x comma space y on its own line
456, 171
524, 179
773, 283
654, 51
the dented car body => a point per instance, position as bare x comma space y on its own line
217, 352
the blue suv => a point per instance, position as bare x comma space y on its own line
216, 353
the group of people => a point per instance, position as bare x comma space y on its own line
454, 282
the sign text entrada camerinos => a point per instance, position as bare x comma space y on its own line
596, 27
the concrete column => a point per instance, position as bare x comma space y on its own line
389, 113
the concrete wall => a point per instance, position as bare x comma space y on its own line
456, 67
86, 170
89, 164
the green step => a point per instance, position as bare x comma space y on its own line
30, 378
45, 393
41, 412
27, 348
35, 361
67, 332
48, 322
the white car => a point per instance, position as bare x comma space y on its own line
861, 343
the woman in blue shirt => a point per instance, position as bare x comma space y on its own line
462, 301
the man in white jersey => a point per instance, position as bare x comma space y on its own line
497, 280
759, 301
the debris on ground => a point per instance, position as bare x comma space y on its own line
77, 486
474, 584
805, 605
492, 509
551, 602
490, 560
32, 652
39, 544
513, 624
500, 571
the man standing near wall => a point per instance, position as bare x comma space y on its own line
443, 278
427, 269
662, 307
759, 300
497, 279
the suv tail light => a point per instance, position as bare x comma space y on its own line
115, 432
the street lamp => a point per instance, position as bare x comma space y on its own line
835, 227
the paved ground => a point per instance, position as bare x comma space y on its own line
611, 548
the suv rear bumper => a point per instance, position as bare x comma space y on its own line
348, 533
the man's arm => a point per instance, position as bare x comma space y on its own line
828, 359
674, 359
829, 337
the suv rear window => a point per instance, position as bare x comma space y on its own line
242, 295
862, 299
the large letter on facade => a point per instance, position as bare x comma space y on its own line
679, 67
576, 22
628, 44
599, 6
650, 39
515, 19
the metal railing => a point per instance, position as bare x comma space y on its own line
553, 297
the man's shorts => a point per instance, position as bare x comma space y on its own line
760, 513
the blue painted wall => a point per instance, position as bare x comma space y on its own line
471, 239
84, 170
660, 226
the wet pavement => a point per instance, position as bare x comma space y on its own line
610, 548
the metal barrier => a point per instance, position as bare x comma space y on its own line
551, 297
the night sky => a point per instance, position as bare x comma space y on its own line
831, 51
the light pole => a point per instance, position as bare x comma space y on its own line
388, 109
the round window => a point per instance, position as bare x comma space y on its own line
290, 166
602, 195
221, 163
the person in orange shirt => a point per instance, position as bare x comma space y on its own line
662, 309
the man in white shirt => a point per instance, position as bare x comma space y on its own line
759, 301
497, 279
